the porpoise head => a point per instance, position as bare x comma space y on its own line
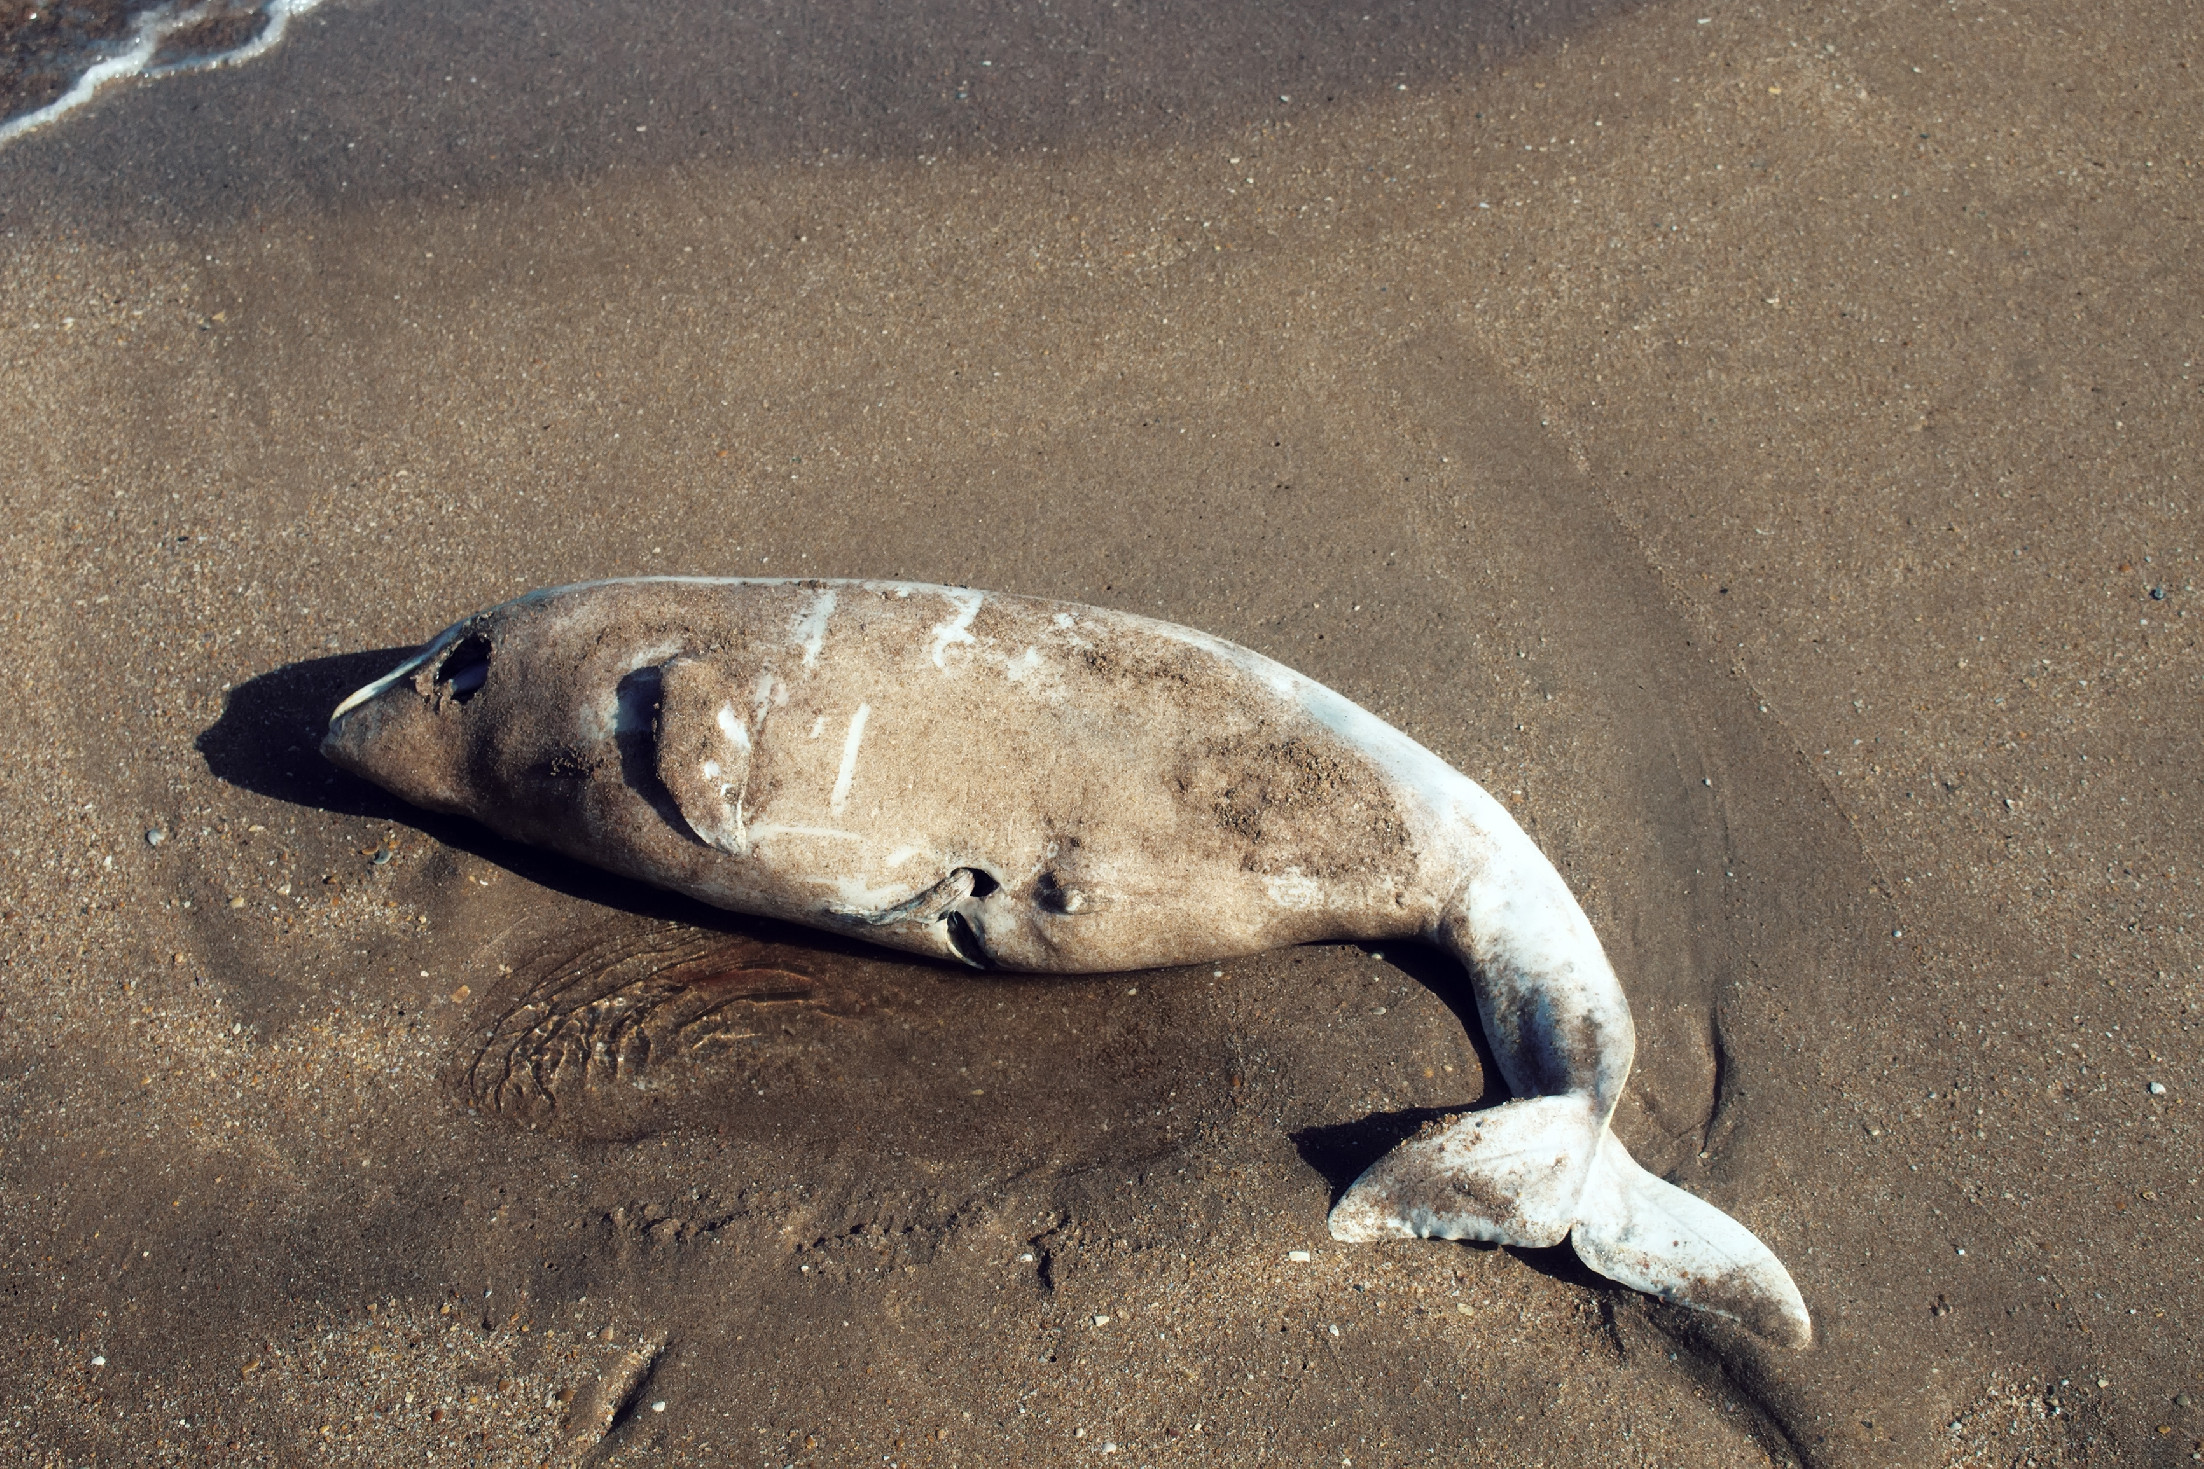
536, 718
414, 730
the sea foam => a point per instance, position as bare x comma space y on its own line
136, 56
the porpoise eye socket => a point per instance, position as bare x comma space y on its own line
464, 670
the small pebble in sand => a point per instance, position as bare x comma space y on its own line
2157, 1088
1298, 1257
1101, 1320
154, 836
659, 1406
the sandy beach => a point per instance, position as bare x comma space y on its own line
1756, 443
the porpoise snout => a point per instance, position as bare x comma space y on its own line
397, 731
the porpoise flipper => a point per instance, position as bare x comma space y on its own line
1650, 1235
931, 905
934, 919
704, 751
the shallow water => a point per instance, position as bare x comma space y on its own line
57, 58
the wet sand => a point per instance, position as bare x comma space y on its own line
1755, 444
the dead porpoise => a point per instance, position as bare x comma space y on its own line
1032, 785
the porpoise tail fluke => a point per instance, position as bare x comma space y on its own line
1650, 1235
1512, 1176
1532, 1173
1545, 1167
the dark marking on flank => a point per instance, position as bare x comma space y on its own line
1285, 801
1051, 894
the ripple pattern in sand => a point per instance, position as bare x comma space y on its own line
624, 1009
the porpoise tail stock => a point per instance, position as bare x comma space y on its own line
1012, 783
1545, 1166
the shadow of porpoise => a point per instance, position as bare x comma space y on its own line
268, 739
1340, 1151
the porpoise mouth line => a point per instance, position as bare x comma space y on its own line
412, 665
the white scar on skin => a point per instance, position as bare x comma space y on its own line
856, 736
731, 725
811, 627
764, 696
956, 629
